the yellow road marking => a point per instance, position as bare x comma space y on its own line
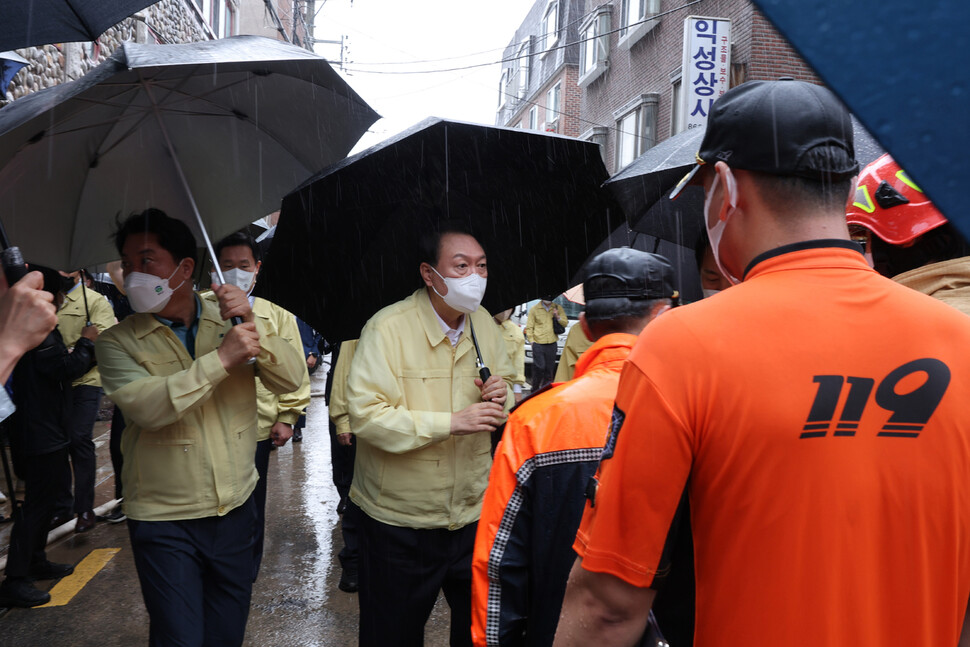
67, 588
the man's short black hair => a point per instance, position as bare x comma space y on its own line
828, 193
429, 245
606, 316
173, 235
238, 239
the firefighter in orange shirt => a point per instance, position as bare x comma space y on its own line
814, 414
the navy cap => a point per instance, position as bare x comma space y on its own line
771, 126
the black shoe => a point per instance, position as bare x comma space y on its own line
297, 435
19, 593
85, 521
115, 516
60, 519
348, 580
47, 570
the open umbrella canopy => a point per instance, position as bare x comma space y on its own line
24, 23
347, 241
248, 119
894, 68
640, 186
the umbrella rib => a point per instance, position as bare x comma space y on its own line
87, 171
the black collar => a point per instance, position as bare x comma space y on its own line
799, 246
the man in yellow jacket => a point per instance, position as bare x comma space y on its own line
540, 333
422, 419
80, 306
239, 259
181, 374
342, 456
515, 345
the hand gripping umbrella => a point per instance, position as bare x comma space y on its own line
213, 133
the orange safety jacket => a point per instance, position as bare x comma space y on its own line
535, 497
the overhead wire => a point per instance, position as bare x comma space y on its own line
511, 59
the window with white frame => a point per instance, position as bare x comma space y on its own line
594, 46
550, 25
502, 83
635, 20
636, 128
553, 102
227, 19
534, 118
676, 109
523, 71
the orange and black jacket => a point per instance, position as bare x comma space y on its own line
535, 497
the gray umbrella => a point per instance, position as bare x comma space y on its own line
221, 129
639, 186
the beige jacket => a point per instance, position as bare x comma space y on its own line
338, 409
71, 319
515, 345
576, 344
948, 281
538, 327
190, 433
405, 381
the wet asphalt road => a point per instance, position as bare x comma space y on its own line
295, 601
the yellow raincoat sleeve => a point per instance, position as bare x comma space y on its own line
152, 401
290, 405
339, 411
377, 403
280, 364
530, 325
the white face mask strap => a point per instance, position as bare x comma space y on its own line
440, 277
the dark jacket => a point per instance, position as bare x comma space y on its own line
42, 393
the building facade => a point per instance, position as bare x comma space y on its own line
538, 89
628, 60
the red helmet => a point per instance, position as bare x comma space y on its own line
890, 205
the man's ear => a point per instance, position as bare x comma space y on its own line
187, 268
427, 274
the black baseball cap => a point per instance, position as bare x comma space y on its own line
770, 126
632, 275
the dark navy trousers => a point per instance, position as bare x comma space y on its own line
401, 572
196, 577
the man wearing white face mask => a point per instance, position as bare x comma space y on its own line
238, 257
814, 414
181, 375
422, 418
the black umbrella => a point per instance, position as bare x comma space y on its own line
653, 175
214, 133
681, 257
25, 23
347, 241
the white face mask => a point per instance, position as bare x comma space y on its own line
465, 293
239, 277
147, 292
709, 293
714, 233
